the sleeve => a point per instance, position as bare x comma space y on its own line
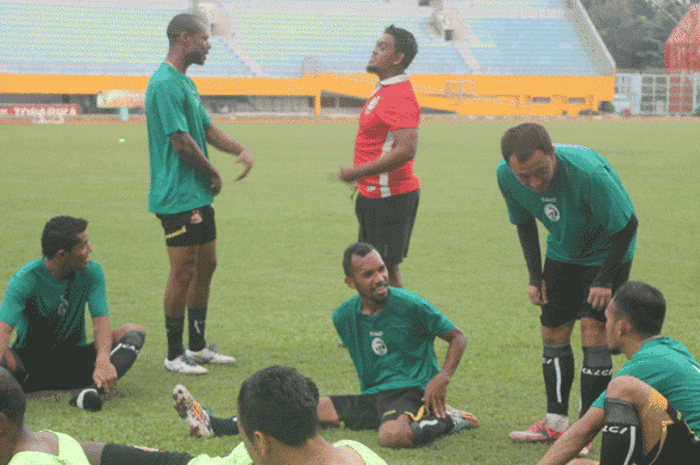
205, 117
399, 111
609, 203
436, 324
516, 212
97, 294
169, 101
15, 301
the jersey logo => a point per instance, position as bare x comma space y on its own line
63, 306
372, 104
552, 212
378, 346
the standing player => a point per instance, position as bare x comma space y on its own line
384, 151
579, 198
183, 185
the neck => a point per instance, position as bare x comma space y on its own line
388, 74
17, 441
176, 61
57, 269
316, 451
634, 346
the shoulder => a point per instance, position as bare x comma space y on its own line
503, 171
346, 310
404, 299
29, 273
94, 272
579, 158
367, 454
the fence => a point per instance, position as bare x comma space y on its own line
659, 94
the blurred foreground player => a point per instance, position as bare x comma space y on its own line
384, 151
45, 302
579, 198
183, 185
650, 413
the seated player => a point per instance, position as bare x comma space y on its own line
390, 334
650, 412
45, 303
278, 424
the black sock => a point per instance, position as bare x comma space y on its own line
622, 436
119, 454
596, 373
224, 426
197, 318
429, 429
125, 352
174, 327
558, 371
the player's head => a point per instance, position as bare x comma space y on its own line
189, 32
529, 152
637, 307
65, 236
366, 272
12, 401
277, 404
395, 50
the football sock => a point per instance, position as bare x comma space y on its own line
622, 438
558, 371
224, 426
88, 399
429, 428
174, 327
596, 373
119, 454
197, 318
125, 352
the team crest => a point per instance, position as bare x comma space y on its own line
552, 212
372, 104
378, 346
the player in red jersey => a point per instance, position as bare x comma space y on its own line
384, 151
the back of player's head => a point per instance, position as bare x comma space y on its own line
12, 401
360, 249
280, 402
643, 305
184, 22
404, 42
61, 233
523, 140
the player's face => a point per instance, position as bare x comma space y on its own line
536, 173
80, 254
384, 55
370, 277
611, 331
198, 47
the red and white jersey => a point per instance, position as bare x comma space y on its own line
392, 106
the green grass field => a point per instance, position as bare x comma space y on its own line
281, 235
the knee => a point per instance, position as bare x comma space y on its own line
628, 388
183, 272
207, 266
133, 334
395, 437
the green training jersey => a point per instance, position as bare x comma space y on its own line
393, 349
173, 104
239, 455
69, 453
666, 365
49, 313
583, 207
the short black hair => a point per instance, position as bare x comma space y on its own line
13, 403
61, 233
404, 42
184, 22
280, 402
360, 249
643, 305
523, 140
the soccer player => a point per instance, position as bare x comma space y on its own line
45, 303
384, 151
650, 412
579, 198
390, 334
278, 424
183, 185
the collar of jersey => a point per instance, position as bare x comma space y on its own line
393, 80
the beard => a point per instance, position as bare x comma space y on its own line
371, 69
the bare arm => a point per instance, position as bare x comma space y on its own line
188, 150
105, 375
225, 143
570, 443
436, 390
404, 150
5, 333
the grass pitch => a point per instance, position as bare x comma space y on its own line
281, 235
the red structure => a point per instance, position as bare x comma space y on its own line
682, 60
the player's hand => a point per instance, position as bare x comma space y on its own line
538, 295
215, 180
105, 375
247, 159
599, 297
347, 173
435, 393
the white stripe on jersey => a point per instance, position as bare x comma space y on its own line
384, 177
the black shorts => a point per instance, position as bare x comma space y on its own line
68, 368
682, 447
387, 224
194, 227
567, 291
360, 412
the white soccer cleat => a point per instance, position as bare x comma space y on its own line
192, 412
210, 355
185, 365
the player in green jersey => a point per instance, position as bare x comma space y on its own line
183, 185
650, 413
578, 197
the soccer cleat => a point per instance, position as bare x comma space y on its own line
462, 420
210, 355
583, 453
88, 399
185, 365
191, 411
539, 432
